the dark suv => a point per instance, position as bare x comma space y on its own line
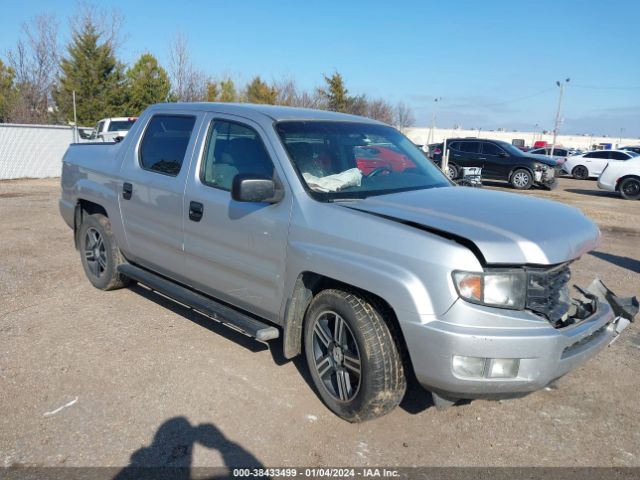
499, 161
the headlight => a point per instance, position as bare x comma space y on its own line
540, 167
496, 288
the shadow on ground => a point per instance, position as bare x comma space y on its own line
592, 193
415, 401
170, 454
630, 264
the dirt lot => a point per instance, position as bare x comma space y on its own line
150, 382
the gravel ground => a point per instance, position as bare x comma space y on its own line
144, 381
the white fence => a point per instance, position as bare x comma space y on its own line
33, 151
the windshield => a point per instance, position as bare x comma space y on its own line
343, 160
119, 125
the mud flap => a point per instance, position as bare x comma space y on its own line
624, 308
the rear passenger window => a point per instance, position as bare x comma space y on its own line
165, 142
619, 156
470, 147
231, 149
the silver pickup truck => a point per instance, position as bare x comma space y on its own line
335, 233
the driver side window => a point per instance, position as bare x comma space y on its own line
231, 149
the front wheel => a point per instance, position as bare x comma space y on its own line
522, 179
452, 171
630, 189
353, 358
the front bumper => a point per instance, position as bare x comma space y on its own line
545, 353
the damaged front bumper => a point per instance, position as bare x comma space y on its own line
486, 336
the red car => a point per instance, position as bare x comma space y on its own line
372, 157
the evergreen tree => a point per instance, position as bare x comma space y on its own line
7, 90
228, 91
335, 94
212, 91
92, 70
259, 92
146, 83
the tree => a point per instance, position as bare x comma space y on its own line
212, 91
146, 83
381, 110
34, 61
335, 95
228, 91
93, 72
404, 116
187, 83
7, 91
259, 92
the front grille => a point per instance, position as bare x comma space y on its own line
548, 292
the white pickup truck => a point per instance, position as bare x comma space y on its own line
112, 129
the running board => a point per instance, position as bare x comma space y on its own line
219, 312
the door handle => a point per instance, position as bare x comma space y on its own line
196, 209
127, 190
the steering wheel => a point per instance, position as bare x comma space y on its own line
378, 170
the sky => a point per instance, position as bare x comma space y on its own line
493, 64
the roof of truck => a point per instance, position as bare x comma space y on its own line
275, 112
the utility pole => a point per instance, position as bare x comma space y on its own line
75, 120
533, 139
433, 119
620, 139
557, 124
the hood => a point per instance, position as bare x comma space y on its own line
504, 228
546, 159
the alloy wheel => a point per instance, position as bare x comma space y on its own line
95, 252
336, 356
521, 179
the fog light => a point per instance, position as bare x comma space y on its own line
504, 368
468, 366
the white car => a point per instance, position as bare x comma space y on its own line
560, 154
623, 177
591, 164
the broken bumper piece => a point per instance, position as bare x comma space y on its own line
458, 361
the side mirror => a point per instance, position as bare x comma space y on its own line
503, 154
248, 187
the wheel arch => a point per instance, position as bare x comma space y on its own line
307, 285
85, 207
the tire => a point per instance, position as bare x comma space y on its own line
452, 171
630, 188
521, 179
580, 172
99, 254
358, 372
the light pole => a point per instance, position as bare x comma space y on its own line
533, 140
620, 139
433, 119
557, 125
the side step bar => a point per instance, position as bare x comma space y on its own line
223, 314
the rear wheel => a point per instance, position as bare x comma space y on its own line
580, 172
353, 358
99, 253
522, 179
452, 171
630, 188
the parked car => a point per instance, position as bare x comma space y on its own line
622, 177
387, 157
499, 161
632, 148
560, 154
591, 164
368, 276
112, 129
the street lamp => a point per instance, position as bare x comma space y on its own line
557, 125
433, 119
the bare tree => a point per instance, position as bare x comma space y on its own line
187, 83
404, 116
108, 24
381, 110
35, 61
